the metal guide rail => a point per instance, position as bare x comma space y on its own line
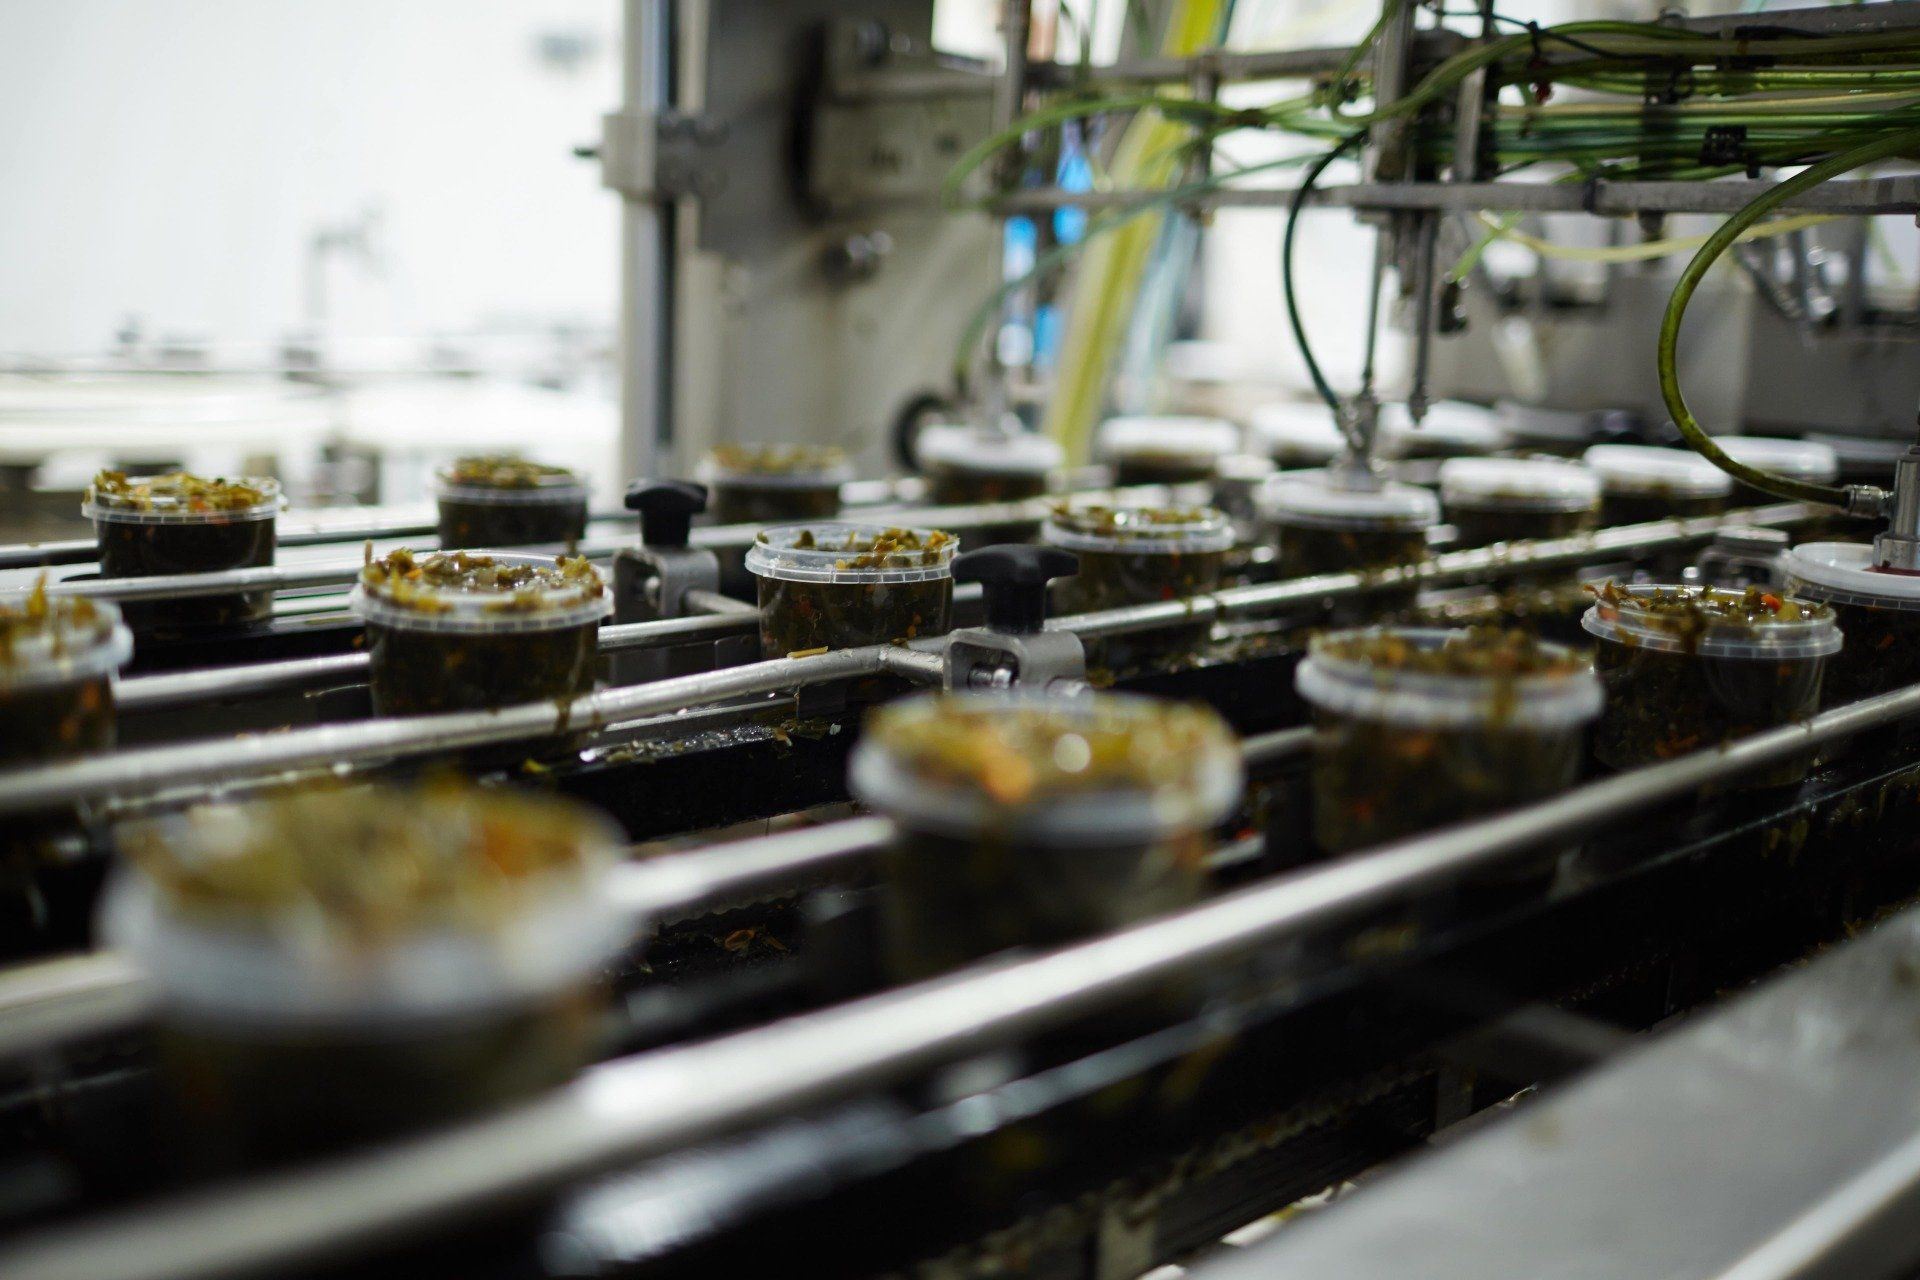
669, 1099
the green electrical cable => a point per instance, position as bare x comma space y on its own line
1904, 142
1294, 206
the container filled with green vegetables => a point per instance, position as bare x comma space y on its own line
967, 466
338, 966
1327, 523
504, 501
1689, 668
58, 656
461, 631
1641, 483
1031, 821
1877, 610
836, 585
767, 484
1489, 500
176, 523
1417, 728
1296, 434
1165, 450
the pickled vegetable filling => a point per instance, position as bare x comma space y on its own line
1310, 550
958, 487
1882, 653
1482, 526
372, 865
42, 720
1666, 696
516, 504
798, 616
421, 668
1159, 569
503, 471
1162, 468
1377, 779
180, 523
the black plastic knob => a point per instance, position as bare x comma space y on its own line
1015, 578
667, 509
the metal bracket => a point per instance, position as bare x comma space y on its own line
660, 156
982, 658
650, 584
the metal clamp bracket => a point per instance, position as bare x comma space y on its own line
660, 156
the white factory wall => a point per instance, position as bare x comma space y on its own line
170, 160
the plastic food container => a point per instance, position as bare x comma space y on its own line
1688, 668
966, 466
1139, 555
58, 656
1489, 500
1565, 433
509, 502
462, 631
338, 966
1878, 612
1795, 459
766, 484
1450, 429
1325, 527
1165, 450
1295, 434
1417, 728
841, 586
1033, 821
1641, 483
154, 526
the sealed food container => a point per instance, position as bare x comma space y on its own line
155, 526
1688, 668
967, 466
466, 630
1326, 526
841, 586
1564, 433
1877, 610
338, 966
504, 501
1450, 429
1489, 500
58, 656
1032, 821
1138, 555
768, 484
1807, 460
1165, 450
1417, 728
1295, 434
1640, 483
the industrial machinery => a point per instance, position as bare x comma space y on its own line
1046, 1070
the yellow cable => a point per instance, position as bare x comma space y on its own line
1107, 285
1647, 249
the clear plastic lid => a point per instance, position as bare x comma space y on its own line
1843, 573
776, 466
1245, 469
320, 956
988, 450
46, 641
1449, 427
508, 481
1646, 469
1188, 438
487, 598
837, 551
1518, 484
1105, 768
1139, 530
1339, 682
1295, 433
180, 498
1629, 622
1795, 459
1322, 500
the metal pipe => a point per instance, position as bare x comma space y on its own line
657, 1102
152, 693
181, 764
714, 603
58, 1001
